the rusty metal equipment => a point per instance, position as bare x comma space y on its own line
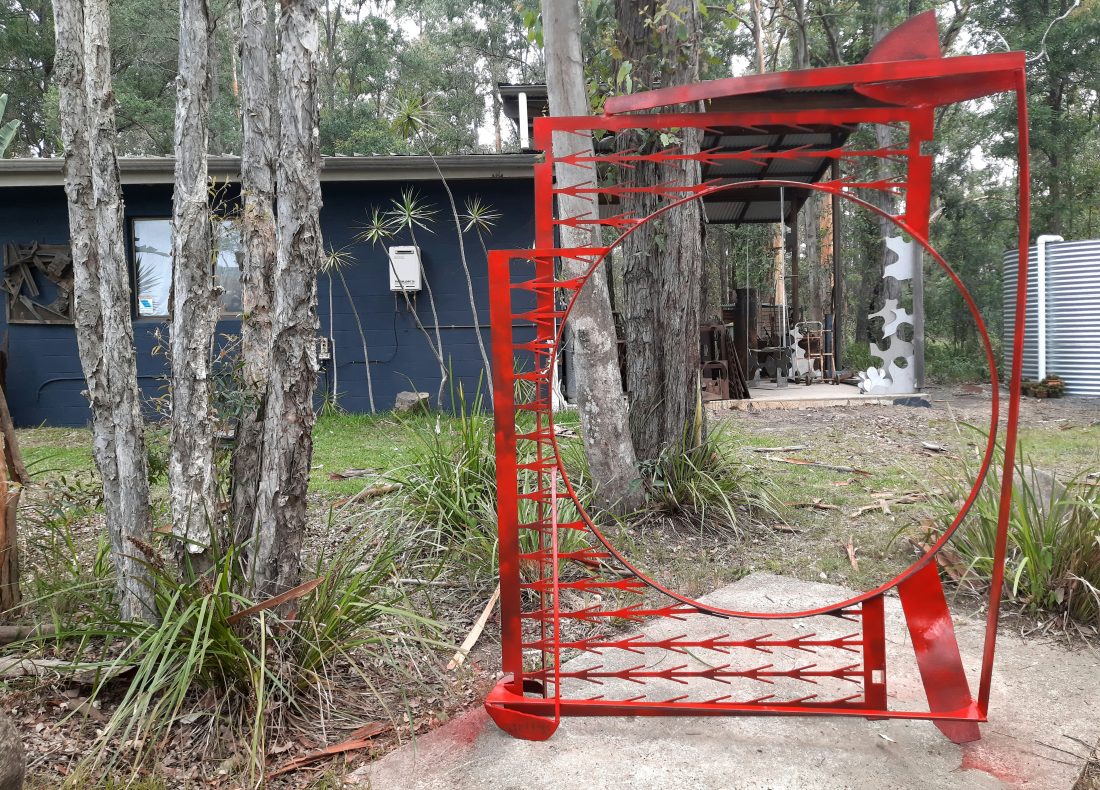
549, 614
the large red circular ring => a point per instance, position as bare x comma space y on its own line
921, 561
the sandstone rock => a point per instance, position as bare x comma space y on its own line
407, 402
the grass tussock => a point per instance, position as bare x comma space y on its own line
700, 485
1052, 563
229, 686
450, 487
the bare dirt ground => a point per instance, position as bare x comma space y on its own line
900, 455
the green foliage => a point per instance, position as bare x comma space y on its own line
1053, 558
857, 356
7, 130
944, 364
157, 451
478, 216
411, 212
359, 606
450, 485
250, 674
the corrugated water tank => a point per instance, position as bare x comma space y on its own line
1072, 313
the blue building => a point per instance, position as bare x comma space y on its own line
43, 378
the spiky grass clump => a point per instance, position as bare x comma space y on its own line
1053, 556
451, 487
699, 485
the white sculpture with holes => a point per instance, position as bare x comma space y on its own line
895, 374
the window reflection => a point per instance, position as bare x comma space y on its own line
153, 266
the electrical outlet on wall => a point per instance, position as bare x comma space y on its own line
324, 350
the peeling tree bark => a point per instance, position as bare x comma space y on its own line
288, 419
600, 400
102, 288
191, 474
663, 259
258, 241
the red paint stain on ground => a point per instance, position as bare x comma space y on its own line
466, 728
993, 761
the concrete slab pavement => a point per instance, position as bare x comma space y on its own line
1042, 695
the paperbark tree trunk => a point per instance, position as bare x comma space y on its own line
102, 289
663, 258
191, 474
258, 242
288, 419
600, 399
811, 284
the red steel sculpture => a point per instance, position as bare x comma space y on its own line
837, 666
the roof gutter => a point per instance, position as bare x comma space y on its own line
161, 169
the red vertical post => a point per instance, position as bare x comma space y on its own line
874, 653
500, 317
1001, 545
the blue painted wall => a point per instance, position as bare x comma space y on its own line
44, 379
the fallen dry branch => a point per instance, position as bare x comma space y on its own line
17, 633
805, 462
884, 503
475, 632
14, 667
852, 554
815, 504
360, 739
792, 448
347, 474
290, 595
370, 492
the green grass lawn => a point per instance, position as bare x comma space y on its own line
48, 451
1062, 449
378, 443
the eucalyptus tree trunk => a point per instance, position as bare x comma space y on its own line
258, 243
600, 399
813, 282
191, 475
104, 331
288, 418
663, 259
